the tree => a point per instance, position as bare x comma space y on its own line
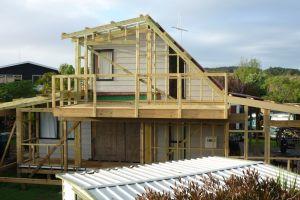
44, 83
251, 77
66, 69
283, 89
17, 89
280, 71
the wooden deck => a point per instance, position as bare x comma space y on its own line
188, 110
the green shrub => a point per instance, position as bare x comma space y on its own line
15, 90
247, 187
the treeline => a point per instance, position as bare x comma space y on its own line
275, 83
274, 71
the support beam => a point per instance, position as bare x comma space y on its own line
65, 144
264, 104
148, 142
19, 126
54, 148
142, 146
285, 123
226, 140
246, 135
77, 146
86, 63
149, 65
266, 120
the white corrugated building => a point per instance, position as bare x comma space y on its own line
128, 182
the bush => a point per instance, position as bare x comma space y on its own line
247, 187
14, 90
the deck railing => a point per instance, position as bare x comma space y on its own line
152, 89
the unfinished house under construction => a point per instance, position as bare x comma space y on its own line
138, 97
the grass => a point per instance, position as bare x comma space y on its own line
10, 191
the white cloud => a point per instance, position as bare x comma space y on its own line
220, 32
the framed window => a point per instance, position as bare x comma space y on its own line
48, 126
103, 65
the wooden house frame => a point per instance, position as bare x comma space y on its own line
172, 110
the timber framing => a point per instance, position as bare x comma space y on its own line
153, 104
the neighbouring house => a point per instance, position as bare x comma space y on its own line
138, 97
23, 71
129, 182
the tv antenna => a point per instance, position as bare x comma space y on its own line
179, 28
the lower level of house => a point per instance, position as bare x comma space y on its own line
101, 143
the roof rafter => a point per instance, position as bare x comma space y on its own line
106, 27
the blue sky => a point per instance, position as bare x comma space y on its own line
220, 33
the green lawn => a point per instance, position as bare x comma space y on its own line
9, 191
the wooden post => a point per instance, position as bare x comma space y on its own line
137, 49
179, 94
177, 141
95, 95
77, 68
154, 66
189, 139
149, 66
167, 72
137, 95
77, 146
226, 139
166, 138
142, 146
147, 142
266, 121
53, 92
37, 132
29, 136
61, 89
246, 142
86, 63
226, 95
19, 140
65, 138
69, 90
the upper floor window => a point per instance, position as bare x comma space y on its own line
103, 63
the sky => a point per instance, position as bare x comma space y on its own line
220, 32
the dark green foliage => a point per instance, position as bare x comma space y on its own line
278, 84
248, 78
229, 69
247, 187
283, 89
45, 83
11, 191
66, 69
15, 90
280, 71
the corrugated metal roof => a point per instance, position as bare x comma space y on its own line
128, 182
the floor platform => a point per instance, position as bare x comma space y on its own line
196, 110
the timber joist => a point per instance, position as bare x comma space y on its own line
155, 112
287, 108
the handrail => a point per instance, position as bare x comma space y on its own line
73, 87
